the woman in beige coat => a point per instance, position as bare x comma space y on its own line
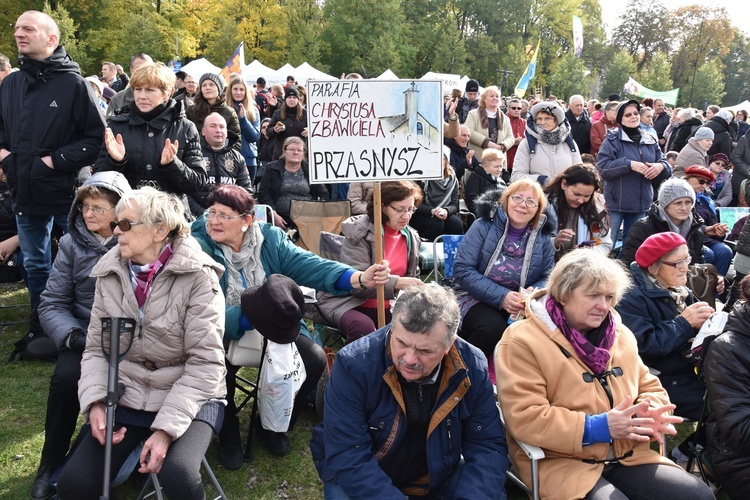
570, 381
173, 373
490, 127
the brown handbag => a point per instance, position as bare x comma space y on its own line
702, 280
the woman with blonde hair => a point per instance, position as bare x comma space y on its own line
506, 252
490, 127
242, 99
154, 144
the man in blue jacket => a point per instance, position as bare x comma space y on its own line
410, 410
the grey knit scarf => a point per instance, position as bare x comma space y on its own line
247, 261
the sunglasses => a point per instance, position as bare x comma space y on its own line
125, 225
514, 107
628, 115
702, 182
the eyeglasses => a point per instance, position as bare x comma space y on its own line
516, 108
295, 150
125, 225
402, 211
211, 215
680, 263
702, 182
97, 210
719, 164
529, 202
628, 115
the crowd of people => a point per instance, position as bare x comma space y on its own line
570, 306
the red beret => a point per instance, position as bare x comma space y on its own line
657, 246
699, 171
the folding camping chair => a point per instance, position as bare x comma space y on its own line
444, 250
264, 213
312, 217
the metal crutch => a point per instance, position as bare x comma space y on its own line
116, 327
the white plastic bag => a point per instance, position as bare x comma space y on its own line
281, 377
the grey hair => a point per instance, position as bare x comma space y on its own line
421, 308
611, 105
654, 268
582, 267
576, 97
644, 109
687, 114
156, 207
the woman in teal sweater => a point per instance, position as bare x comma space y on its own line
251, 251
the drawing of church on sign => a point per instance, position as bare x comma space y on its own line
412, 124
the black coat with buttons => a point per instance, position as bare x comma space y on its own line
144, 142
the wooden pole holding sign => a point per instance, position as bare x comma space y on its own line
378, 223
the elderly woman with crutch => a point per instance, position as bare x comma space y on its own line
173, 373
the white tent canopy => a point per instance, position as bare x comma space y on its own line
199, 67
743, 105
387, 75
305, 72
256, 68
286, 70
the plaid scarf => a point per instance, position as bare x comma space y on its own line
142, 276
595, 357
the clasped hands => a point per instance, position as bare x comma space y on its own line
641, 422
648, 170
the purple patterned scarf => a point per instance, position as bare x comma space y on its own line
142, 276
595, 357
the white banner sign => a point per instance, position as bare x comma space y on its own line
374, 130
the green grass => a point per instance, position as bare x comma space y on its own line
23, 396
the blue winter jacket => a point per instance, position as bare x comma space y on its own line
365, 422
484, 238
250, 135
624, 189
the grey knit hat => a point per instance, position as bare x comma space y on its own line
703, 133
217, 79
551, 108
674, 189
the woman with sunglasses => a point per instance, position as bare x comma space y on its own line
251, 251
65, 310
629, 162
506, 252
720, 188
664, 316
173, 371
356, 314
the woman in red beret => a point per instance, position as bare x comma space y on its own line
664, 316
714, 250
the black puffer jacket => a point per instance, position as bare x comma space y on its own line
727, 369
270, 186
684, 131
144, 142
654, 223
722, 136
47, 108
224, 166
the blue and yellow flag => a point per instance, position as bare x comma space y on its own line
528, 75
234, 63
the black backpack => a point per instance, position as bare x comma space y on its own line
35, 344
